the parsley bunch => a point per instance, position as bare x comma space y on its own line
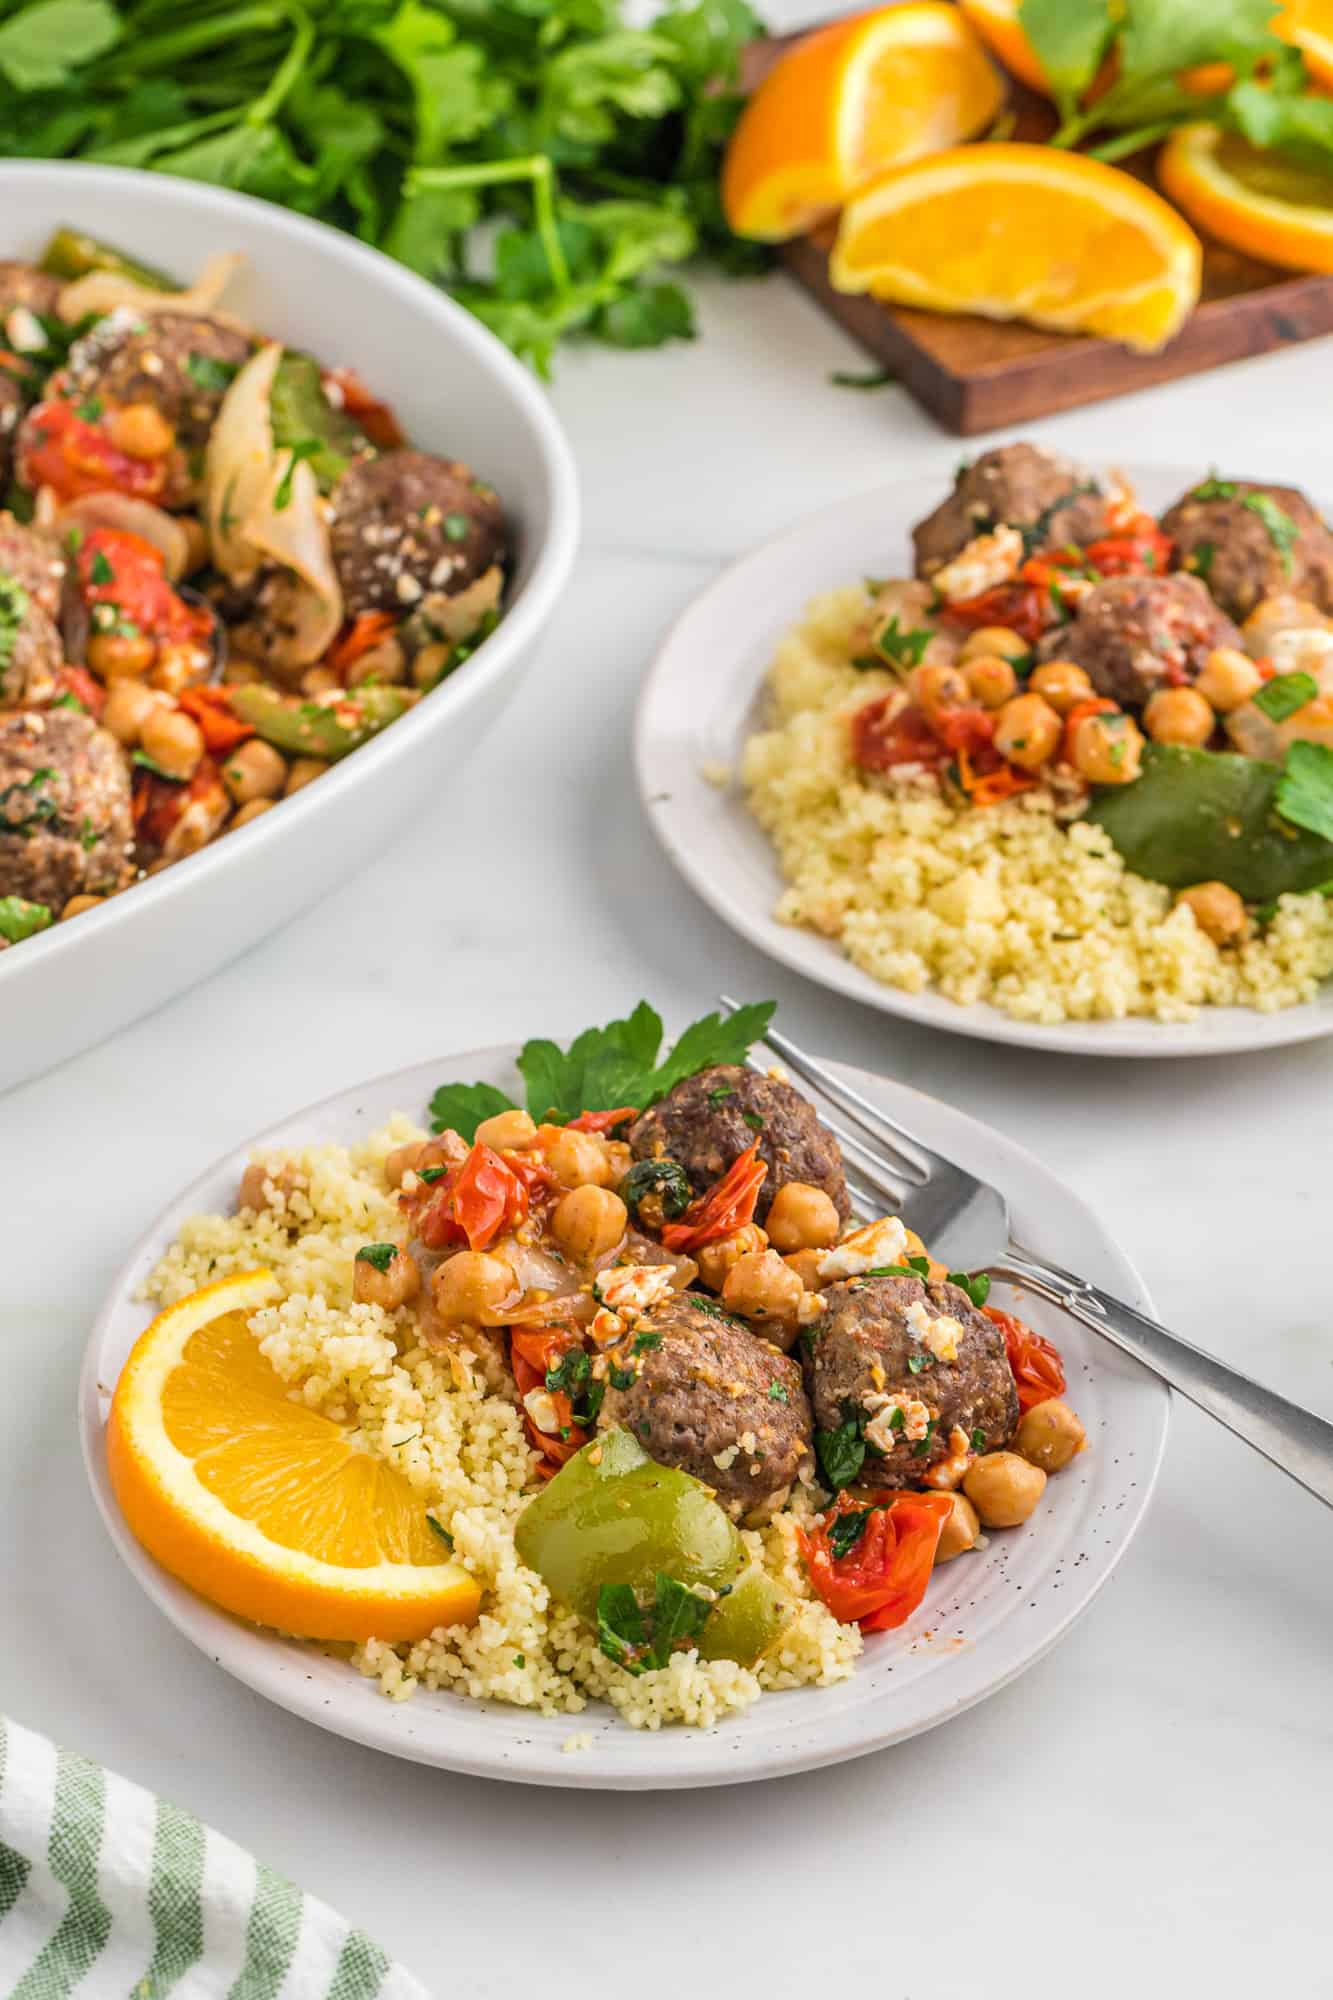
538, 158
1135, 69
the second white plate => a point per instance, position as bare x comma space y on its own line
700, 701
985, 1619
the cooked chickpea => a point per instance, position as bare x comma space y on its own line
1106, 749
802, 1218
469, 1286
760, 1286
961, 1530
399, 1281
76, 906
386, 663
990, 679
252, 810
988, 639
319, 680
1179, 715
197, 549
118, 656
716, 1259
507, 1130
1218, 911
1004, 1488
254, 770
1027, 731
140, 430
180, 666
1228, 678
240, 671
410, 1159
431, 662
589, 1221
128, 706
806, 1264
1049, 1435
172, 740
619, 1157
578, 1160
1062, 683
303, 772
934, 688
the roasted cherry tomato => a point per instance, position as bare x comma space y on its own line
870, 1560
1037, 1368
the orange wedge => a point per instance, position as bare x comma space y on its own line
1023, 232
998, 24
1257, 202
847, 101
260, 1504
1308, 26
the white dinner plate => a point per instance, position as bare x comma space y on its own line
985, 1617
703, 697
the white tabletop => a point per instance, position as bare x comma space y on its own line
1146, 1804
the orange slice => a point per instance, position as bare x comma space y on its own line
1023, 232
260, 1504
847, 101
998, 23
1257, 202
1308, 26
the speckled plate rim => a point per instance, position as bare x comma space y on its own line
701, 698
985, 1620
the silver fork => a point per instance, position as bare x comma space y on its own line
965, 1223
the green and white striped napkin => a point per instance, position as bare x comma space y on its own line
107, 1893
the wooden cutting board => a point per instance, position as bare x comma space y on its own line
982, 375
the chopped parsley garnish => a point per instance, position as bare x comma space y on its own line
456, 527
443, 1533
911, 1267
1202, 559
977, 1289
100, 570
753, 1120
874, 378
640, 1636
303, 448
899, 647
622, 1378
846, 1531
1282, 696
1213, 488
519, 1660
621, 1063
25, 805
663, 1179
897, 1421
978, 1439
1035, 534
841, 1453
209, 373
573, 1375
919, 1450
721, 1094
916, 1362
777, 1394
378, 1255
21, 919
645, 1342
88, 835
1282, 530
147, 763
429, 1174
89, 411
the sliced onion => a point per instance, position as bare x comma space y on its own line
534, 1270
458, 617
130, 516
295, 535
106, 291
238, 464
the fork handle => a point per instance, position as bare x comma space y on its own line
1296, 1441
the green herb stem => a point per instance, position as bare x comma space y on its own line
537, 170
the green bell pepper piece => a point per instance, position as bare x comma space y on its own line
747, 1622
71, 254
612, 1516
21, 919
309, 728
1211, 816
304, 418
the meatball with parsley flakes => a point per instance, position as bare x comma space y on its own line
408, 526
710, 1119
65, 824
1249, 541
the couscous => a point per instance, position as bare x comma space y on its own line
1051, 774
692, 1429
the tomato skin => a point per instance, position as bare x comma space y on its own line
474, 1203
1022, 607
882, 1579
121, 569
723, 1208
1037, 1368
211, 709
72, 457
376, 419
532, 1351
884, 735
85, 689
601, 1121
1138, 549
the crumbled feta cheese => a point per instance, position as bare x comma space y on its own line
406, 588
540, 1406
951, 1471
1304, 650
23, 331
724, 1460
635, 1287
940, 1332
987, 560
884, 1433
878, 1243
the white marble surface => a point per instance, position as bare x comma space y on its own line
1147, 1805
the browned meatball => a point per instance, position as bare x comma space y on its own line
710, 1119
31, 650
859, 1368
11, 416
1135, 634
1248, 541
717, 1402
407, 525
181, 363
1049, 498
34, 561
65, 825
24, 285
